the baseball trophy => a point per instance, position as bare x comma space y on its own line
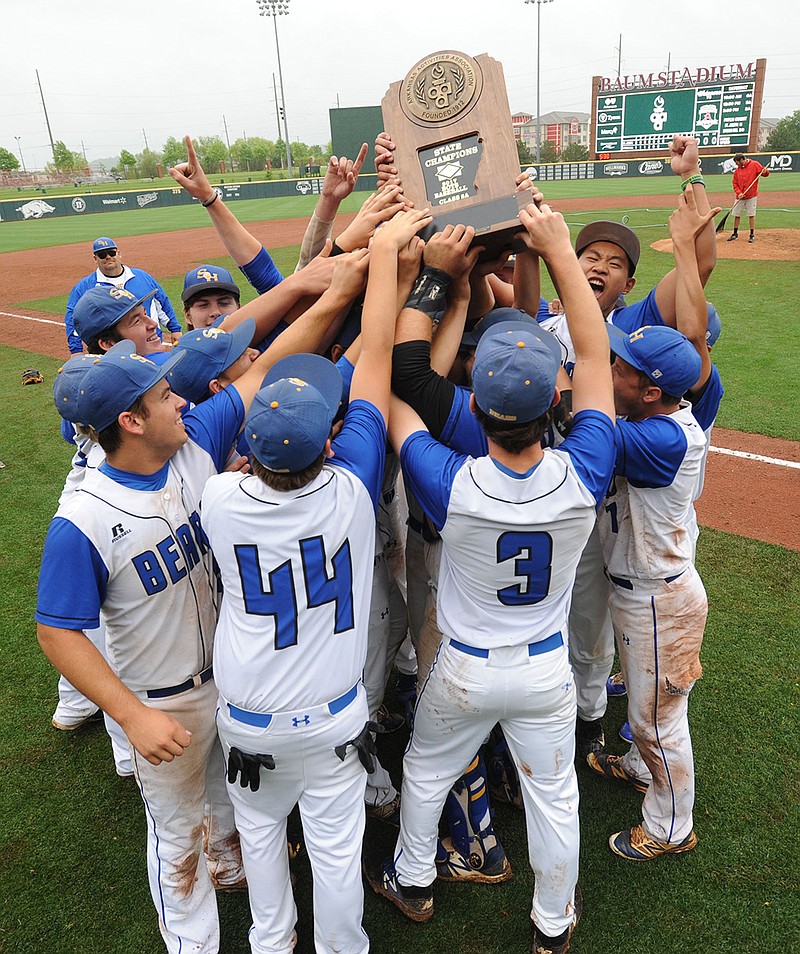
455, 148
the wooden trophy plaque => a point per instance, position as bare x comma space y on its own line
455, 149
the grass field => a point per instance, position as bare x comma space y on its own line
73, 876
43, 233
748, 295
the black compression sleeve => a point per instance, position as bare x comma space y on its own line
415, 381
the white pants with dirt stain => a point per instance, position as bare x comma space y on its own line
185, 799
533, 699
659, 630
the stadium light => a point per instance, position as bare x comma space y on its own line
538, 81
19, 149
275, 9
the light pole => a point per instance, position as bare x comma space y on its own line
538, 81
274, 9
19, 149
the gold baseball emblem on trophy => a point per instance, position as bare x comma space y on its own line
440, 87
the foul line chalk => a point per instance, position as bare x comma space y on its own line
764, 460
43, 321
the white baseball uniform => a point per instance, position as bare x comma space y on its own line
511, 544
591, 634
658, 605
289, 653
133, 546
73, 706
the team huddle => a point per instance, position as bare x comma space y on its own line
399, 457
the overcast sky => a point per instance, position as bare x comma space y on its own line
113, 73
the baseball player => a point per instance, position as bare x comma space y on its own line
111, 271
208, 292
129, 542
294, 543
745, 188
608, 253
105, 314
74, 709
513, 525
658, 604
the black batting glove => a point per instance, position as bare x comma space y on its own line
364, 744
247, 768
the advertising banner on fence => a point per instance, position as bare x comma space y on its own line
43, 205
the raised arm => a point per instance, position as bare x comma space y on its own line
239, 243
340, 180
690, 300
591, 378
313, 331
449, 251
685, 163
372, 376
273, 306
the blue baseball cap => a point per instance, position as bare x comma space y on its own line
104, 242
208, 352
67, 385
666, 356
102, 307
114, 382
291, 416
208, 278
714, 329
497, 315
514, 375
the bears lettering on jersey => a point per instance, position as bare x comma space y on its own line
157, 568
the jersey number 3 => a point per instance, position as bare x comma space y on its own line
280, 600
532, 553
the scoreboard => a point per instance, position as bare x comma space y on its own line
723, 116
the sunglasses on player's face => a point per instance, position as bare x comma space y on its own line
106, 253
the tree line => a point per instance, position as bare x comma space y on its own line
254, 154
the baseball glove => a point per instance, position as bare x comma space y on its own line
32, 376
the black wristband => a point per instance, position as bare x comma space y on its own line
335, 250
429, 290
211, 201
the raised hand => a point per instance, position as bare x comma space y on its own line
190, 175
449, 250
684, 157
398, 231
378, 207
340, 179
547, 230
350, 273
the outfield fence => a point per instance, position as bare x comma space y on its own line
50, 206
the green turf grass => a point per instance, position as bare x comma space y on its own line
755, 354
73, 876
43, 233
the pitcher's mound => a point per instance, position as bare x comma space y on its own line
782, 245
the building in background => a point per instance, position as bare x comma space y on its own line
560, 128
765, 128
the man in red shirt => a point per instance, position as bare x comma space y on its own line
745, 188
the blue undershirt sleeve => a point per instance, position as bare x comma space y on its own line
650, 452
430, 469
360, 446
590, 445
261, 272
72, 579
215, 424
